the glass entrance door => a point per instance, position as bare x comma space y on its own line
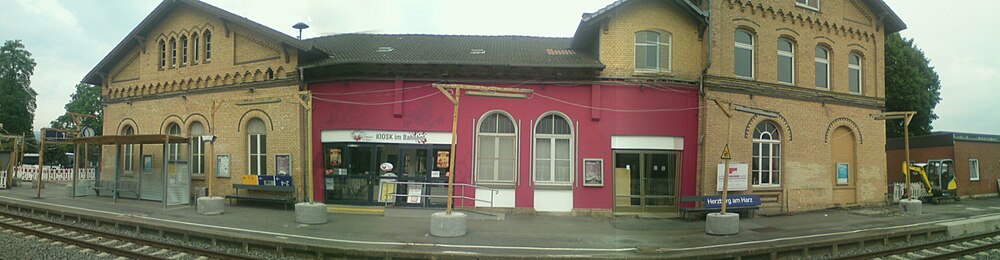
646, 181
351, 175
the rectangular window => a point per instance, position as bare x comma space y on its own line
974, 169
197, 156
128, 157
257, 147
854, 73
744, 62
811, 4
652, 52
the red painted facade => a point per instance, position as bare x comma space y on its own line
624, 110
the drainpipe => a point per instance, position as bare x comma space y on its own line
701, 84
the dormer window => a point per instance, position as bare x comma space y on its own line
808, 4
652, 52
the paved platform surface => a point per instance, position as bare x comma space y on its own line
517, 235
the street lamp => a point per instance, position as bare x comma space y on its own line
909, 205
448, 224
722, 223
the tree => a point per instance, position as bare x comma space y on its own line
17, 101
911, 85
86, 100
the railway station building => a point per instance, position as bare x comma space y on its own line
976, 159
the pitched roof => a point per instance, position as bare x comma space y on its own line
892, 21
419, 49
161, 12
590, 20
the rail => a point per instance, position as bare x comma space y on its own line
461, 196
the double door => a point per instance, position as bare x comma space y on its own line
646, 181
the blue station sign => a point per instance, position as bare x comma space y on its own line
733, 201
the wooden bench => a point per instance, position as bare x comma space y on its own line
107, 185
700, 208
285, 194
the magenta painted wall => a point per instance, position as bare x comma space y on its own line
338, 106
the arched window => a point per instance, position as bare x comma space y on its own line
257, 146
743, 56
854, 72
208, 45
128, 155
553, 150
652, 51
496, 149
173, 52
197, 48
173, 150
163, 54
786, 61
184, 50
766, 155
822, 67
197, 148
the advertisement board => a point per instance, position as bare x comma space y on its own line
738, 173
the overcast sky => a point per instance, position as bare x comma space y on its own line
67, 38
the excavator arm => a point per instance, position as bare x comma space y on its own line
923, 176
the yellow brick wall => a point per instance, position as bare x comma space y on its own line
842, 25
223, 95
808, 170
617, 43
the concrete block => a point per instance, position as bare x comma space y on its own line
719, 224
311, 213
211, 205
911, 206
445, 225
967, 227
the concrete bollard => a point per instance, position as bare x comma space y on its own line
911, 206
210, 206
719, 224
311, 213
445, 225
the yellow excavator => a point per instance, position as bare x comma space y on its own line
938, 177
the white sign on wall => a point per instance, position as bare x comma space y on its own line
737, 176
380, 136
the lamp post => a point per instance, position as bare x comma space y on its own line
300, 26
723, 223
448, 224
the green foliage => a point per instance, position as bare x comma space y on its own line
911, 85
86, 100
17, 101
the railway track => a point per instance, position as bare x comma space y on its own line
105, 243
983, 246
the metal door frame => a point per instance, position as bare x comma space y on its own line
642, 207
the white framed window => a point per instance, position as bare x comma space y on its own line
743, 57
553, 150
854, 73
128, 150
184, 50
496, 149
173, 53
197, 149
786, 61
196, 48
822, 68
173, 150
652, 52
810, 4
208, 45
973, 169
257, 147
766, 167
163, 54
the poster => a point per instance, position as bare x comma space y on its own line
330, 183
147, 162
737, 176
387, 187
843, 173
593, 172
333, 157
443, 159
283, 164
414, 192
222, 165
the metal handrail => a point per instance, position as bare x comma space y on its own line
462, 196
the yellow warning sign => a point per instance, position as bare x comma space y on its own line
725, 153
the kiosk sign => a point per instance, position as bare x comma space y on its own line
416, 137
